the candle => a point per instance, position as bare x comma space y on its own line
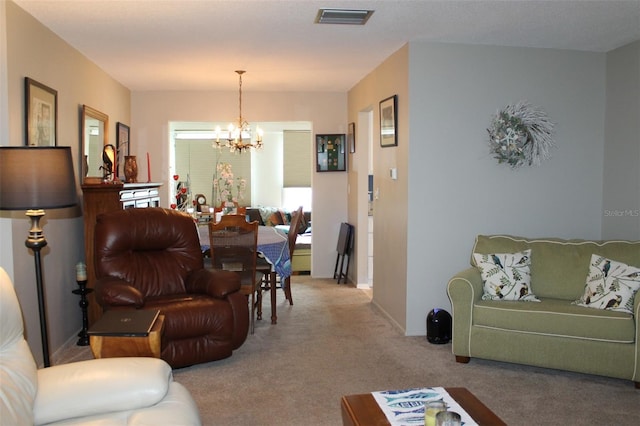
431, 410
148, 168
81, 272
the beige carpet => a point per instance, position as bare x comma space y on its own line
333, 342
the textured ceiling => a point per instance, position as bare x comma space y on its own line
197, 44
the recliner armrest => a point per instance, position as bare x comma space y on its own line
116, 292
78, 389
216, 283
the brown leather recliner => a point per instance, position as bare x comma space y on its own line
151, 259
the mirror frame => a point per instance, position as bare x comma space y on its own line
88, 112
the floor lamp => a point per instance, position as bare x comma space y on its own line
34, 179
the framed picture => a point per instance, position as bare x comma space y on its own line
41, 115
389, 122
351, 137
331, 153
123, 147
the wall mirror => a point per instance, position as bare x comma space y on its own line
95, 125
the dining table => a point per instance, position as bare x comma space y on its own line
274, 246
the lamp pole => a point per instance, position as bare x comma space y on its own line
35, 242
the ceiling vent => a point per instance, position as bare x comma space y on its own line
343, 16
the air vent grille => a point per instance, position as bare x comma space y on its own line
343, 16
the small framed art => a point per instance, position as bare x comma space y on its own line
41, 114
331, 153
351, 137
389, 122
123, 147
122, 138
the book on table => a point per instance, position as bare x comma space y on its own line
127, 323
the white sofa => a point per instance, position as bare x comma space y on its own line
109, 391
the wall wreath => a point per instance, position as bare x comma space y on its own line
521, 134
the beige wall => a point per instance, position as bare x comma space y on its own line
34, 51
458, 190
621, 207
450, 189
390, 209
153, 111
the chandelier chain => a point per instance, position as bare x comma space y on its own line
240, 98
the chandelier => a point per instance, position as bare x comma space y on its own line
237, 137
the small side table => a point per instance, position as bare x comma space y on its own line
116, 346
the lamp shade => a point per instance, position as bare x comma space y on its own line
36, 178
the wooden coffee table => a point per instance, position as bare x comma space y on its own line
363, 410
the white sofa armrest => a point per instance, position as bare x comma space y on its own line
99, 386
177, 408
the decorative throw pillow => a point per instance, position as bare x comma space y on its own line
610, 285
274, 219
506, 276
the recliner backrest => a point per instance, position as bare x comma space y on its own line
154, 249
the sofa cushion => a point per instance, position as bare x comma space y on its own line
555, 317
610, 285
559, 267
505, 276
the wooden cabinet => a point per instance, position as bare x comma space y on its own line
107, 197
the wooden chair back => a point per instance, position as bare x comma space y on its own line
234, 242
296, 217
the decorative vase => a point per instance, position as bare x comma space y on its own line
229, 207
130, 168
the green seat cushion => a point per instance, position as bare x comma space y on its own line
555, 317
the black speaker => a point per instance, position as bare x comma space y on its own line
438, 326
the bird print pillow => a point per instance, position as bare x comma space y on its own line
506, 276
610, 285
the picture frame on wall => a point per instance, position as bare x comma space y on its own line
41, 114
123, 145
389, 122
331, 153
351, 137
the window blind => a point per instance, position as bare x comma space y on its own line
297, 158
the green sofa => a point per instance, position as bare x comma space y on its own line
553, 333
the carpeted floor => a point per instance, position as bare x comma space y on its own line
333, 341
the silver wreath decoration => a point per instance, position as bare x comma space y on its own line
521, 134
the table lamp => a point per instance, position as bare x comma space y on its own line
34, 179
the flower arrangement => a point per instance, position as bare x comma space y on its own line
521, 134
224, 184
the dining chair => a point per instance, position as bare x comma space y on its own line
269, 275
294, 230
233, 245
